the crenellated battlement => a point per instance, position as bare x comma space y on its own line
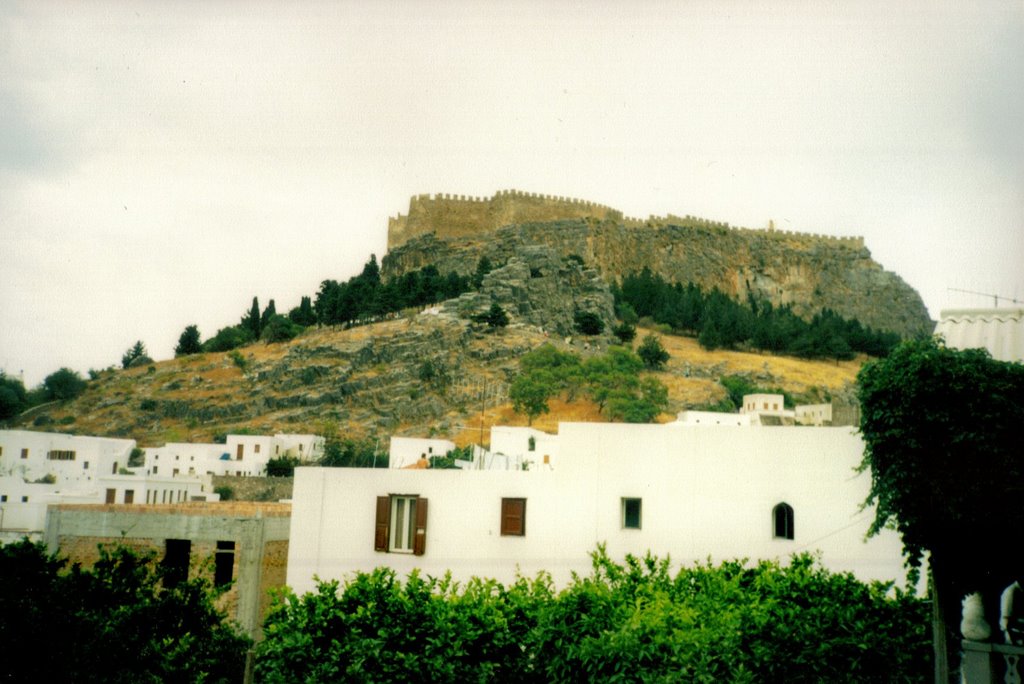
460, 216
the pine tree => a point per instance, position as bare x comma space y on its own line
268, 313
134, 354
189, 342
251, 320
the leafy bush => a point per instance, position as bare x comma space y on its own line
625, 332
135, 356
738, 386
229, 338
238, 359
588, 323
282, 467
653, 354
148, 404
495, 317
114, 622
226, 493
634, 621
280, 329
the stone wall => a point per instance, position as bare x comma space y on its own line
458, 216
259, 531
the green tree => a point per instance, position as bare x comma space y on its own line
135, 356
941, 432
251, 319
530, 392
348, 452
229, 338
494, 318
652, 352
62, 385
115, 622
303, 314
283, 466
638, 404
189, 342
483, 267
588, 323
267, 314
616, 371
625, 332
13, 398
280, 329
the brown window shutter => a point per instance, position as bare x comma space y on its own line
513, 517
380, 537
419, 544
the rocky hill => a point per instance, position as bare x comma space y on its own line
442, 372
808, 272
422, 374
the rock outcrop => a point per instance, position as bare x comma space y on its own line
807, 272
538, 287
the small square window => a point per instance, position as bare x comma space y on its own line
24, 453
24, 499
513, 517
3, 498
632, 513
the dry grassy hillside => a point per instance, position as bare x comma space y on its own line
370, 382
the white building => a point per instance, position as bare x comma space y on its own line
240, 455
1000, 331
406, 451
710, 418
770, 409
689, 493
814, 414
42, 468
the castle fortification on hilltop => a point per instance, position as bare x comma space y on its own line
459, 216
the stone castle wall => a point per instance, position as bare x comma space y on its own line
458, 216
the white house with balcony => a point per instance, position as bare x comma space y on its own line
681, 491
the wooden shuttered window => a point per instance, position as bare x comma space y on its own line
411, 524
419, 545
513, 517
383, 526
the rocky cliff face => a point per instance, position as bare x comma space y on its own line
805, 271
538, 287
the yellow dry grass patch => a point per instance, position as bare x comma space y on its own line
797, 375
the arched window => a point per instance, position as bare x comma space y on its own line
782, 519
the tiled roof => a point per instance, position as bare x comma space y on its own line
1000, 331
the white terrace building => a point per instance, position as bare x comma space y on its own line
240, 455
42, 468
686, 492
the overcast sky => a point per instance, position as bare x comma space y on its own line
162, 162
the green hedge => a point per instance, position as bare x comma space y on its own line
630, 622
